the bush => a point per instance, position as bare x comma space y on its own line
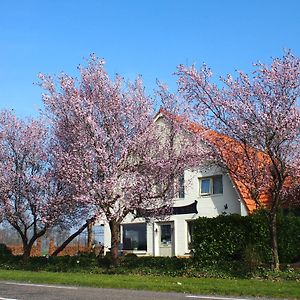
252, 258
170, 266
130, 256
105, 261
258, 235
52, 264
289, 238
245, 239
5, 251
150, 265
219, 239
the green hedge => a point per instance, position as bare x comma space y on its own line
289, 238
5, 251
130, 264
237, 238
157, 266
218, 239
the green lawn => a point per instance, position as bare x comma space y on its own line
234, 287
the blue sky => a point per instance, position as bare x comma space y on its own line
136, 37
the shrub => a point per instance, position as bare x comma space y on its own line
105, 261
289, 238
252, 258
245, 239
258, 235
5, 251
219, 239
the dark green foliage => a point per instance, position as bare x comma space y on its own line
130, 264
172, 266
244, 239
53, 264
106, 261
258, 236
219, 239
289, 238
5, 252
131, 255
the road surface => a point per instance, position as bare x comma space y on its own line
25, 291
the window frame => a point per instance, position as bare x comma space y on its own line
211, 185
140, 241
214, 186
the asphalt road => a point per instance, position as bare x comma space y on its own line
25, 291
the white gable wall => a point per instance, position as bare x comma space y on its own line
210, 205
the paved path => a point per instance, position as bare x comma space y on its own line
25, 291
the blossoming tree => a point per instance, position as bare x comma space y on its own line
31, 199
261, 114
110, 148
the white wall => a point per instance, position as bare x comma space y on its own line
210, 205
107, 237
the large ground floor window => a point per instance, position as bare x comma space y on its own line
134, 236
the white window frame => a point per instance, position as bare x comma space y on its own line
211, 185
200, 186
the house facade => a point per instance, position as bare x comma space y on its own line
205, 192
201, 193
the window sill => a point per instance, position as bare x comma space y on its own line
135, 251
210, 195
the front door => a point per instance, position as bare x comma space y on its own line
166, 240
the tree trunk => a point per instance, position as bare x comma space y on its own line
115, 240
71, 238
273, 231
26, 251
90, 236
27, 246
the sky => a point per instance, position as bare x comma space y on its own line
148, 38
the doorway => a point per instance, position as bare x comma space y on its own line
166, 239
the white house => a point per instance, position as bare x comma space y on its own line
208, 194
202, 193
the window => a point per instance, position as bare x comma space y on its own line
205, 186
217, 184
181, 186
134, 237
211, 185
166, 234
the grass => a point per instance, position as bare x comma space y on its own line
233, 287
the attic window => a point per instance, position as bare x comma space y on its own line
211, 185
